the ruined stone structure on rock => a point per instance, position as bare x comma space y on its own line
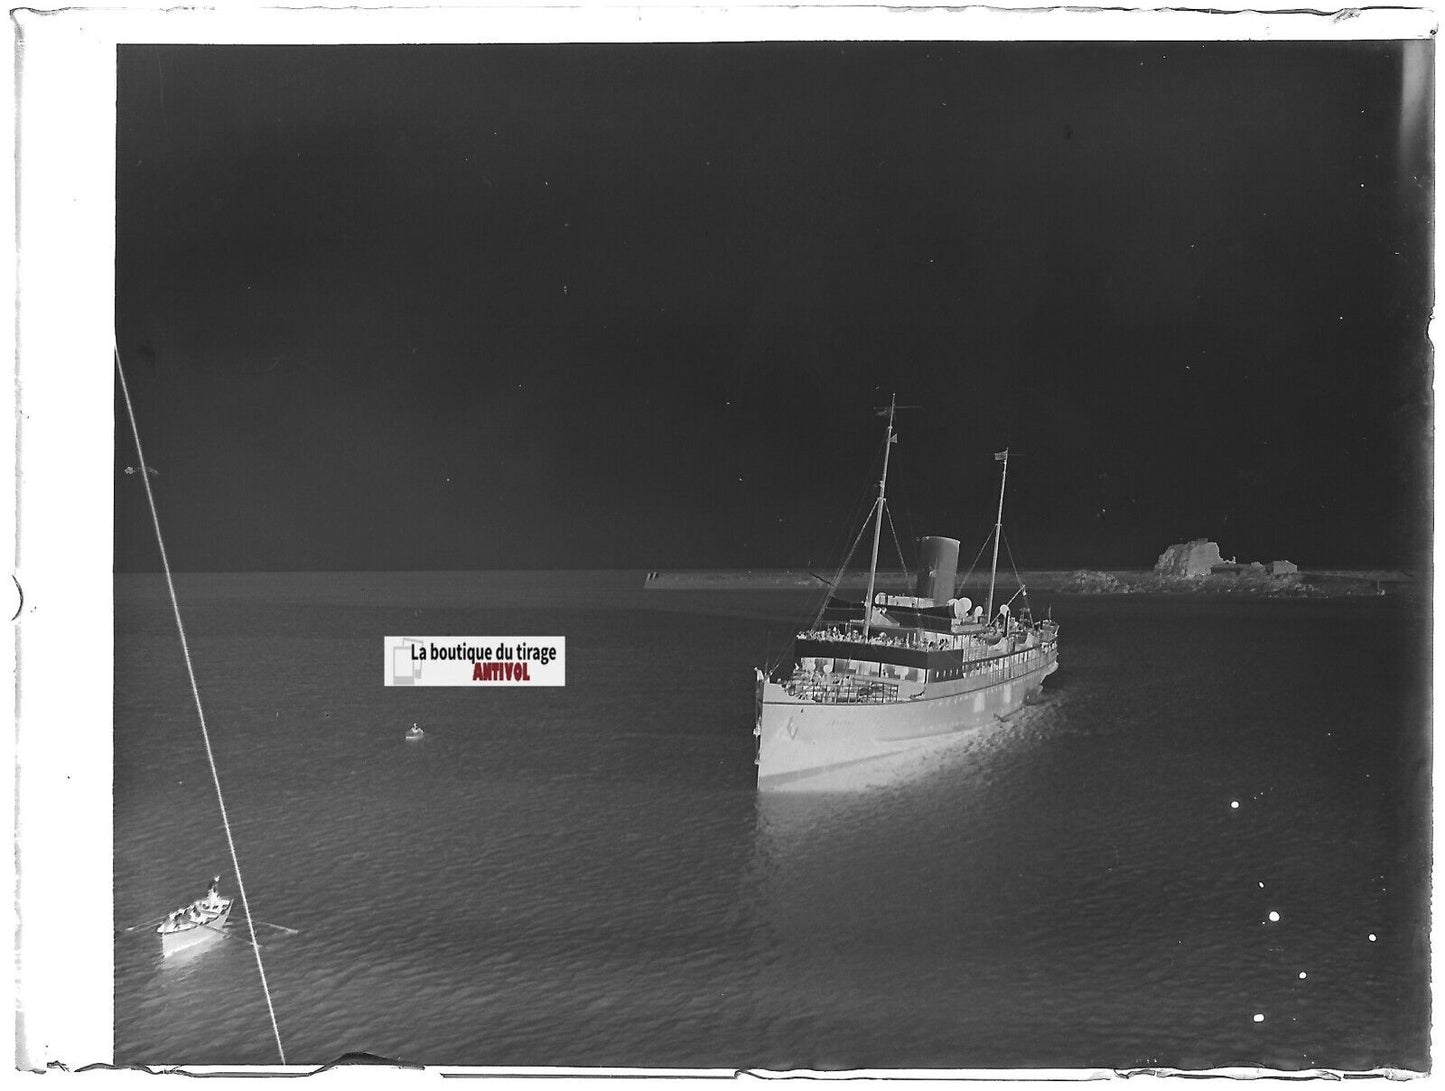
1200, 558
1189, 560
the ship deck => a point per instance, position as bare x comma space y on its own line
906, 665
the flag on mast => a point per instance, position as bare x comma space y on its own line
1000, 456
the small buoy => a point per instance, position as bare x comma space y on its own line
1273, 915
1259, 1017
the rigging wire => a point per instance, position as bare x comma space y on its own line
861, 510
902, 560
862, 526
196, 693
838, 575
1023, 590
864, 505
905, 508
861, 501
1012, 563
967, 575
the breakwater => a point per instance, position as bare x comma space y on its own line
755, 579
1321, 583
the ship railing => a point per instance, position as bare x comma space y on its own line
881, 639
1004, 668
934, 644
849, 691
852, 690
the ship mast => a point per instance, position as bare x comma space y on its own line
1001, 456
878, 523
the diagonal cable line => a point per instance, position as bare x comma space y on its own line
196, 693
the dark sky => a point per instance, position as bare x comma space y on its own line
630, 306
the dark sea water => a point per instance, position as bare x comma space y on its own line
586, 876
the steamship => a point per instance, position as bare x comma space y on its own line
881, 681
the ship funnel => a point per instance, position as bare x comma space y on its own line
937, 568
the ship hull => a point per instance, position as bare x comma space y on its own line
194, 935
805, 745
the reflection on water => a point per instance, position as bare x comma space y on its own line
586, 876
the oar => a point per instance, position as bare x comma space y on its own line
147, 924
223, 933
278, 927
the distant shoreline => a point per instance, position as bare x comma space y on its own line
1318, 583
